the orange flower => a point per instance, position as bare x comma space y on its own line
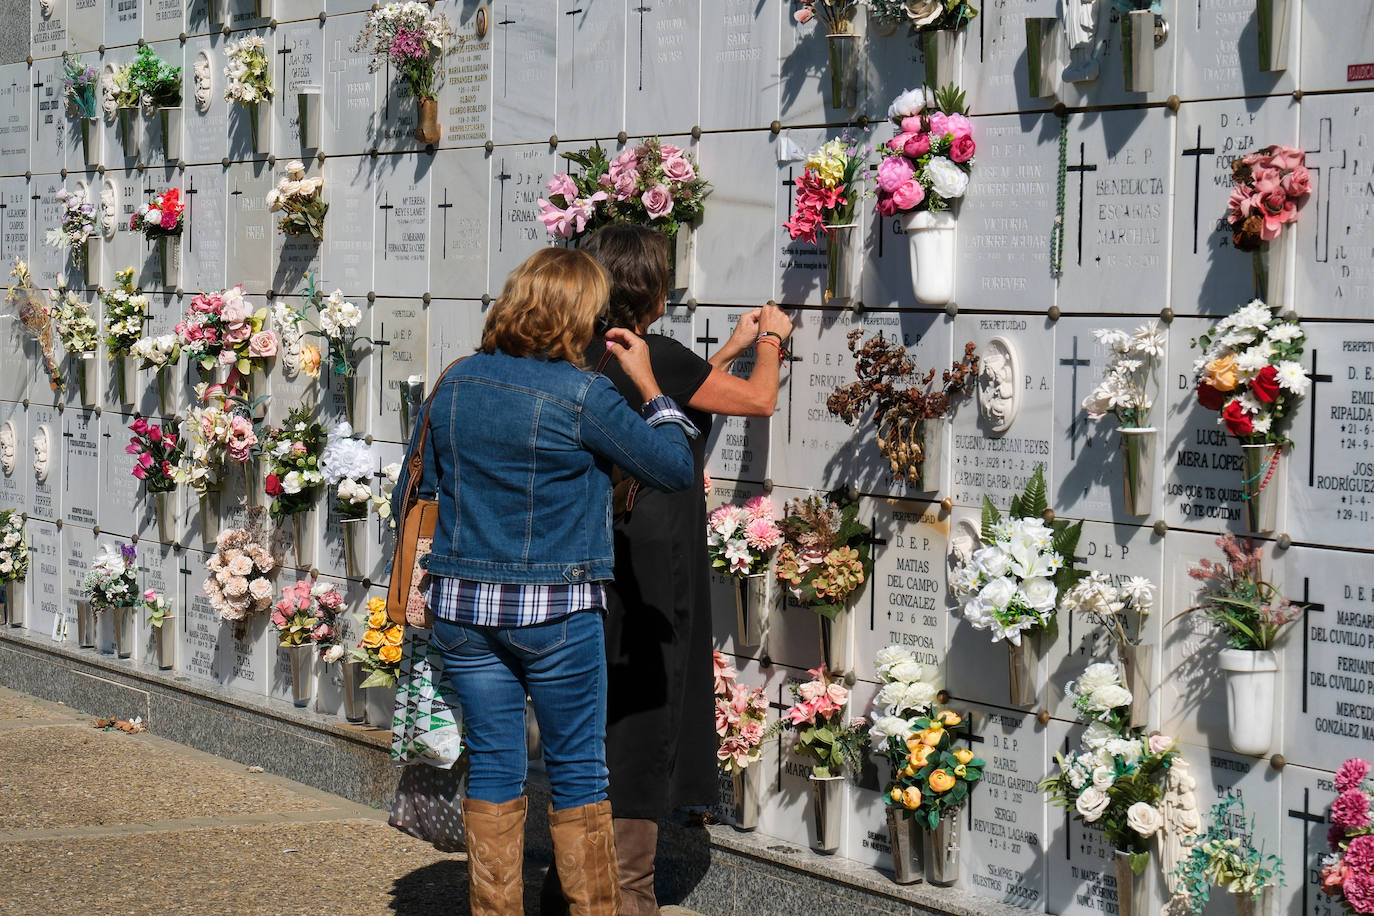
949, 718
941, 780
394, 635
376, 603
1221, 373
963, 755
310, 360
911, 798
377, 619
389, 654
921, 755
372, 639
895, 795
931, 736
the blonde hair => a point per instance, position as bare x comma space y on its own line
549, 307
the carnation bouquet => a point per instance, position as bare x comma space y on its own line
249, 73
654, 184
348, 463
293, 452
932, 778
824, 557
113, 579
1248, 608
238, 585
923, 15
824, 735
1011, 585
125, 314
157, 83
1225, 855
1250, 370
904, 401
379, 650
221, 329
35, 314
741, 539
1116, 780
77, 225
1268, 187
1348, 872
740, 715
80, 83
160, 217
158, 452
1130, 385
410, 37
14, 551
826, 200
307, 613
299, 200
927, 164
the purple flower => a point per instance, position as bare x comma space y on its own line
128, 552
408, 44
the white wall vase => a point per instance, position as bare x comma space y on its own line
1250, 696
165, 643
1138, 50
164, 391
906, 841
1137, 674
1138, 458
124, 620
1259, 464
1270, 269
845, 58
837, 641
841, 262
302, 672
940, 850
1042, 55
754, 596
930, 239
1132, 890
1273, 27
1023, 670
748, 792
14, 602
827, 811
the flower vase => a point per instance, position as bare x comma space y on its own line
128, 131
166, 503
302, 671
263, 8
355, 703
86, 378
748, 795
1138, 459
90, 263
930, 434
308, 101
905, 838
938, 48
126, 377
14, 602
753, 600
1042, 55
1138, 53
1259, 464
841, 271
90, 141
165, 643
170, 118
827, 810
837, 641
1271, 17
303, 538
1250, 696
209, 517
1269, 268
124, 618
212, 11
1137, 674
164, 392
354, 544
940, 850
412, 396
683, 250
1132, 890
169, 260
350, 393
930, 237
1263, 904
844, 69
427, 111
260, 125
1024, 670
85, 625
255, 483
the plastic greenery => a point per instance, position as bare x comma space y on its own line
935, 777
125, 92
1224, 856
80, 83
1247, 607
819, 718
156, 82
158, 608
824, 557
924, 15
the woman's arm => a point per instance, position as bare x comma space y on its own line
657, 455
756, 396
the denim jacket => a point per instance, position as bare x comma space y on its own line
519, 454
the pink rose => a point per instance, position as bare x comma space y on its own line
909, 195
803, 15
938, 123
894, 172
657, 201
562, 184
331, 600
263, 344
838, 693
626, 162
917, 146
886, 206
556, 220
1160, 743
669, 151
625, 185
678, 169
961, 149
238, 332
1298, 183
958, 125
228, 357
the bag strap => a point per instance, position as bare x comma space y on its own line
417, 460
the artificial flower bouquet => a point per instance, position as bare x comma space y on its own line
307, 614
157, 606
293, 452
157, 352
161, 217
336, 320
157, 83
926, 166
300, 202
1224, 855
824, 734
76, 227
126, 311
1251, 372
249, 72
221, 329
932, 777
827, 199
220, 432
1268, 187
903, 692
72, 321
14, 550
740, 715
836, 16
904, 402
1120, 608
1130, 385
1247, 608
410, 37
379, 650
238, 585
653, 184
1348, 872
36, 316
80, 86
824, 557
113, 579
923, 15
347, 463
158, 454
741, 539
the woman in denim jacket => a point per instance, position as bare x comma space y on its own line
522, 439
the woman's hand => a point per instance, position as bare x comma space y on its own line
632, 353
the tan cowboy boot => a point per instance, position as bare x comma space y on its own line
496, 856
584, 852
636, 842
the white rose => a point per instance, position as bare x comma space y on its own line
1040, 593
907, 105
924, 12
1097, 736
1144, 819
992, 561
999, 592
884, 728
1104, 777
1127, 750
274, 200
291, 483
1112, 696
907, 670
1092, 802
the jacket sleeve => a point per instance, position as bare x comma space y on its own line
660, 456
429, 482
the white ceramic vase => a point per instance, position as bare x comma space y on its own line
930, 237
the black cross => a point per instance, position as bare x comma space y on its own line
641, 10
1308, 607
873, 540
1197, 152
1074, 362
972, 739
445, 206
1322, 160
387, 110
381, 344
505, 57
235, 206
386, 209
791, 184
191, 193
707, 339
572, 49
3, 207
792, 357
37, 102
1082, 169
1307, 817
502, 176
1312, 435
981, 34
283, 52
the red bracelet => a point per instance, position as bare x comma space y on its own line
782, 356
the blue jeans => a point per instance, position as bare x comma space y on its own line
561, 664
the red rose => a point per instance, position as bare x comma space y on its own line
1266, 384
1237, 420
1209, 397
273, 486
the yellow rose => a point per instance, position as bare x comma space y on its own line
941, 780
895, 795
310, 360
911, 798
389, 654
372, 639
921, 755
394, 635
377, 619
931, 736
949, 718
1221, 373
376, 603
963, 755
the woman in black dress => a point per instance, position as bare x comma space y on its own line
660, 728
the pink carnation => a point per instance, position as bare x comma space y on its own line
1359, 891
1351, 774
1359, 855
1351, 809
760, 507
762, 534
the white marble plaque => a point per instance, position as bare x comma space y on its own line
49, 124
47, 28
296, 257
159, 568
525, 76
240, 116
348, 240
592, 38
205, 130
1305, 804
1218, 49
14, 485
45, 434
398, 352
809, 444
465, 98
519, 175
662, 66
123, 22
124, 506
47, 604
79, 547
401, 199
14, 222
298, 62
739, 65
737, 447
45, 212
742, 169
249, 225
163, 19
455, 329
247, 655
81, 449
460, 210
800, 270
203, 241
200, 625
1335, 46
995, 75
85, 25
14, 118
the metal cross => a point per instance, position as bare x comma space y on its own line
1307, 817
1312, 435
572, 49
505, 55
1074, 362
4, 233
1323, 160
445, 206
707, 339
283, 52
641, 10
972, 740
235, 207
502, 176
191, 193
1309, 606
791, 184
37, 102
873, 540
1082, 169
386, 209
792, 357
1197, 152
381, 343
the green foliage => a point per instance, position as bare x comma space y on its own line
950, 100
154, 81
1226, 857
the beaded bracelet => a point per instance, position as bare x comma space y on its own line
765, 338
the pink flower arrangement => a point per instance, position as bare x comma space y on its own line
819, 718
740, 715
161, 216
222, 329
828, 190
1270, 185
238, 585
741, 539
308, 613
927, 164
158, 454
1348, 872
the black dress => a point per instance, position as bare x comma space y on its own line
660, 722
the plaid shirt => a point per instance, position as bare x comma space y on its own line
492, 604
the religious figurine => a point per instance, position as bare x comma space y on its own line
109, 208
45, 7
997, 402
107, 92
9, 447
963, 541
288, 324
41, 446
203, 74
1182, 823
1080, 30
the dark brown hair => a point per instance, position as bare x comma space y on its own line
637, 260
548, 307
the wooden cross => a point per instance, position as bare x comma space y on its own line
1324, 161
502, 176
1197, 152
386, 209
505, 56
445, 206
1312, 435
1074, 362
1309, 606
1082, 169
